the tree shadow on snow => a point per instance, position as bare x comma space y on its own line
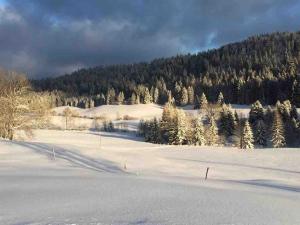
77, 159
268, 184
238, 165
122, 135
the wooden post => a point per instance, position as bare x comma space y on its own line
206, 173
53, 153
100, 139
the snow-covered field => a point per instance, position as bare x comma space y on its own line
115, 178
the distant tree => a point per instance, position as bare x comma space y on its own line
199, 133
147, 97
203, 102
184, 97
120, 98
133, 98
278, 136
220, 99
227, 121
260, 134
256, 112
110, 96
191, 95
247, 137
212, 132
156, 95
178, 128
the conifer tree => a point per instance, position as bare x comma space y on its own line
212, 132
147, 97
247, 137
167, 121
260, 134
203, 102
133, 98
296, 92
191, 95
256, 112
177, 134
227, 121
220, 99
138, 99
199, 135
156, 95
120, 98
184, 97
278, 136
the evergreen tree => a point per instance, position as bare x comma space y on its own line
227, 121
296, 92
260, 134
110, 96
184, 97
199, 135
191, 95
147, 97
120, 98
138, 99
203, 102
167, 121
220, 99
278, 136
133, 98
177, 134
256, 112
212, 132
156, 95
247, 137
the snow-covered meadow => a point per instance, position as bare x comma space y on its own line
116, 178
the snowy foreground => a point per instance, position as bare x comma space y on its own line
118, 179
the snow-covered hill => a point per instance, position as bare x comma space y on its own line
115, 178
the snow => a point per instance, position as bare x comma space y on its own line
116, 178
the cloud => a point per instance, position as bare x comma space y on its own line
52, 37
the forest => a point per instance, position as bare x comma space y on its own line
264, 67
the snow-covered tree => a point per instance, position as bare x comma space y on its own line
147, 97
278, 134
199, 133
227, 121
191, 95
184, 97
167, 121
247, 137
212, 132
156, 95
203, 102
120, 98
256, 112
177, 133
220, 99
133, 98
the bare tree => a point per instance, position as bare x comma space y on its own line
21, 108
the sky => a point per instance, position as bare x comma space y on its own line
44, 38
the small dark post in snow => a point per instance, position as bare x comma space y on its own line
125, 167
53, 154
206, 173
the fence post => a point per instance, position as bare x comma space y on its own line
53, 153
206, 173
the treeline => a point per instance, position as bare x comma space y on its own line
218, 124
263, 68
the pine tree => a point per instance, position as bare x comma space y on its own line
278, 136
191, 95
256, 112
184, 97
167, 121
120, 98
147, 97
227, 121
212, 132
247, 137
203, 102
260, 134
177, 134
133, 98
296, 92
138, 99
156, 95
220, 99
199, 135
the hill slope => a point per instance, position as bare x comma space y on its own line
262, 67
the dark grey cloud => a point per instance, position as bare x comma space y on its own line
52, 37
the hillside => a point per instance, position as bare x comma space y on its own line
263, 67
